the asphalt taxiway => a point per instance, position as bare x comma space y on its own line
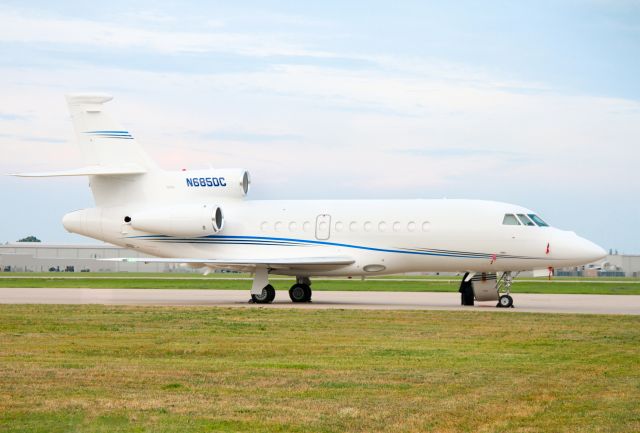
524, 302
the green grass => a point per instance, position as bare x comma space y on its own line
159, 369
226, 281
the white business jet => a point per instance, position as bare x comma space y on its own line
203, 219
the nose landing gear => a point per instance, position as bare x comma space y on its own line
505, 301
504, 285
487, 287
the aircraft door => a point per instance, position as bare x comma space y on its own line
323, 227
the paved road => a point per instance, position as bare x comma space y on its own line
586, 304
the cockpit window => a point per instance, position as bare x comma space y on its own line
538, 220
510, 220
525, 220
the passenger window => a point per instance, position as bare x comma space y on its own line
339, 226
396, 226
536, 219
510, 220
525, 220
382, 226
293, 226
353, 226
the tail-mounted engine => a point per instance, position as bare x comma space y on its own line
179, 220
231, 182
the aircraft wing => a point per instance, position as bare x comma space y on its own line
273, 263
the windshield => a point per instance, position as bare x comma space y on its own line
510, 220
538, 220
525, 220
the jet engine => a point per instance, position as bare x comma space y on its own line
179, 220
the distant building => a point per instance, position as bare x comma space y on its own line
39, 257
614, 265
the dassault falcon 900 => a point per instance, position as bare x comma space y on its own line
203, 219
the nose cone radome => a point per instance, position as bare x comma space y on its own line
590, 251
579, 251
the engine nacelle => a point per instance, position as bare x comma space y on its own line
179, 220
229, 182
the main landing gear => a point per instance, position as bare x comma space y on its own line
266, 296
263, 293
301, 290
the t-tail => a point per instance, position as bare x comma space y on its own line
121, 173
112, 157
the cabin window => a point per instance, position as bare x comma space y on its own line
382, 226
339, 226
367, 226
426, 226
279, 226
353, 226
411, 226
510, 220
525, 220
306, 226
536, 219
264, 226
293, 226
396, 226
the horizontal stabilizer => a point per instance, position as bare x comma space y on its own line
93, 170
273, 263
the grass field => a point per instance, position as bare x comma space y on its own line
157, 369
242, 281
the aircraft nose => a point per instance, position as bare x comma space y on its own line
590, 251
574, 250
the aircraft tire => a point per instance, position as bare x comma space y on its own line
505, 301
300, 293
266, 297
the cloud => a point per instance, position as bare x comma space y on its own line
309, 116
21, 28
374, 133
247, 136
14, 116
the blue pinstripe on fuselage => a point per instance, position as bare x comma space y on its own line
276, 241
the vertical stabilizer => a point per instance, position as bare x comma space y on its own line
102, 141
108, 147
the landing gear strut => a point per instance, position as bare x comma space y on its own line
486, 287
301, 290
505, 300
261, 291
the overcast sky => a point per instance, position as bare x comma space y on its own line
535, 103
